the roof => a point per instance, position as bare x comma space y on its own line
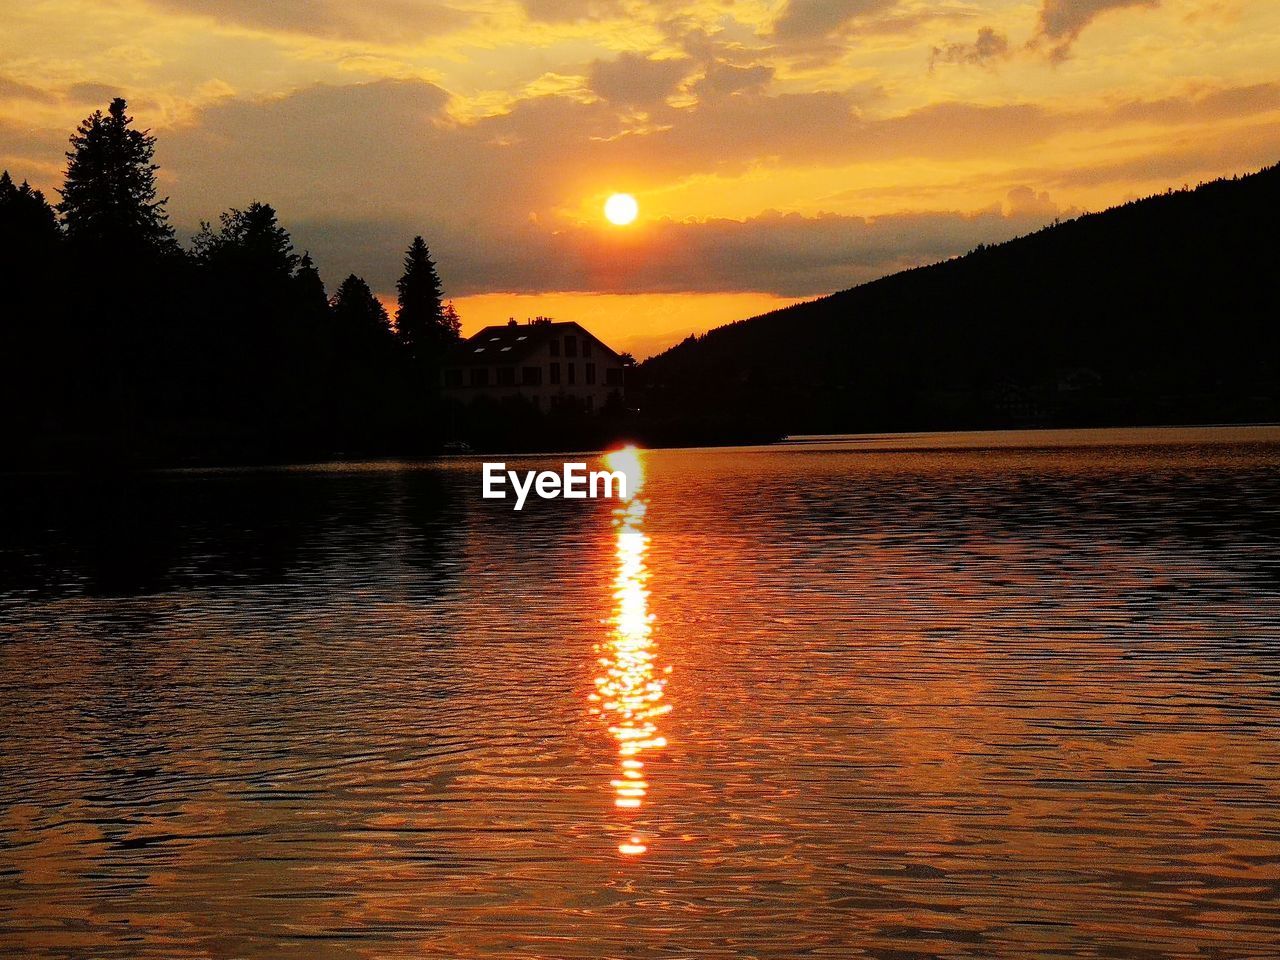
511, 342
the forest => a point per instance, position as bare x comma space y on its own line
117, 344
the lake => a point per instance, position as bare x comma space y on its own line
1011, 695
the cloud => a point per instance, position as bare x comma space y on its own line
1201, 105
723, 79
990, 45
1061, 21
814, 19
11, 89
357, 170
35, 154
571, 11
787, 255
388, 21
635, 80
99, 94
1024, 202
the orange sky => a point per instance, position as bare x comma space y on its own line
779, 150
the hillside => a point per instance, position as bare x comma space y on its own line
1164, 309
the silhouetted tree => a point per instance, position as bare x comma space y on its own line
249, 240
109, 194
309, 287
113, 338
420, 323
450, 323
358, 313
26, 220
31, 361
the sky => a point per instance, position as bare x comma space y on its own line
778, 150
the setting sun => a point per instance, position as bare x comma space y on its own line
621, 209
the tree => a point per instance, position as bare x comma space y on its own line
27, 222
358, 313
250, 239
450, 322
420, 321
31, 368
308, 286
109, 193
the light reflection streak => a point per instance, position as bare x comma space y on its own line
629, 688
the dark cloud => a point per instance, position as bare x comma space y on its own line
1188, 161
33, 153
11, 89
814, 19
386, 20
357, 170
722, 79
99, 94
1207, 104
571, 11
635, 80
1061, 21
783, 254
990, 45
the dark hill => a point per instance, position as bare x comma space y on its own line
1163, 310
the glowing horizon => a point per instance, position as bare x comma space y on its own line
782, 150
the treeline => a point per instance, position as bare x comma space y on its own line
117, 343
1163, 310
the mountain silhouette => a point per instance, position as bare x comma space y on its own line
1162, 310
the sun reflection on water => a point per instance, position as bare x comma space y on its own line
629, 688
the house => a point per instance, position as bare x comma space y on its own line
542, 361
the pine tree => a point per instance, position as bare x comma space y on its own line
109, 194
251, 239
419, 319
308, 287
450, 322
28, 226
358, 313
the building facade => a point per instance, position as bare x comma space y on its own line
542, 361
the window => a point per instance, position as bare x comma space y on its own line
554, 344
479, 376
613, 376
453, 377
570, 346
506, 376
555, 372
591, 374
573, 371
586, 346
531, 376
591, 403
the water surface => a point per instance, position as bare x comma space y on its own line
885, 697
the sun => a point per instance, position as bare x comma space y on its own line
621, 209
